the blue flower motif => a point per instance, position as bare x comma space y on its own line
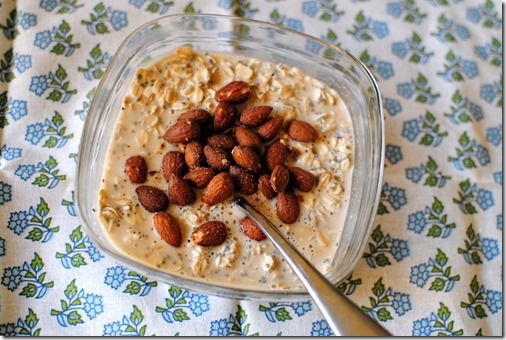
380, 29
219, 328
27, 20
48, 5
93, 305
399, 249
481, 52
12, 278
397, 198
118, 19
494, 301
38, 85
25, 171
115, 276
414, 174
462, 32
482, 155
411, 129
295, 24
498, 177
473, 15
113, 329
487, 93
419, 274
22, 62
34, 133
400, 49
385, 69
494, 135
93, 252
476, 111
5, 193
309, 8
485, 199
394, 9
8, 329
499, 221
422, 327
313, 46
489, 248
137, 3
17, 108
393, 106
199, 304
393, 153
18, 221
401, 303
470, 69
301, 308
43, 39
321, 328
405, 90
9, 153
2, 247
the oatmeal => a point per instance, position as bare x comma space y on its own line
283, 103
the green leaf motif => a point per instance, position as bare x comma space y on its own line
37, 264
29, 290
180, 315
443, 312
438, 284
282, 314
77, 261
76, 235
136, 316
384, 314
441, 258
134, 288
378, 288
71, 290
74, 318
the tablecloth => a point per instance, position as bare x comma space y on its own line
433, 263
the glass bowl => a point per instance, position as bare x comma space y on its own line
223, 34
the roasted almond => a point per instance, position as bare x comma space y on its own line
136, 169
151, 198
183, 131
247, 137
168, 228
301, 179
219, 189
287, 207
236, 92
173, 163
217, 158
279, 178
225, 142
251, 229
245, 182
269, 129
194, 155
255, 115
200, 177
275, 155
200, 116
210, 234
246, 158
180, 191
264, 186
302, 131
224, 117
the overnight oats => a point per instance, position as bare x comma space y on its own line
197, 129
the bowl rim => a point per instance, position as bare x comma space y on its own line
201, 286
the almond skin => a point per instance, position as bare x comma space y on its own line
183, 131
245, 182
279, 178
210, 234
269, 129
173, 163
168, 228
264, 186
302, 131
301, 179
151, 198
225, 142
247, 137
246, 158
194, 155
251, 229
287, 207
219, 189
255, 115
200, 177
200, 116
236, 92
224, 117
217, 158
180, 191
136, 169
275, 154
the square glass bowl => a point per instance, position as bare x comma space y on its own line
223, 34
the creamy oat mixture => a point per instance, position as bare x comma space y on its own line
185, 80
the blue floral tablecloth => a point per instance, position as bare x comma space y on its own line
433, 264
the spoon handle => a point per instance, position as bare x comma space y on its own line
342, 315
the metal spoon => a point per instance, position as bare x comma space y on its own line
343, 316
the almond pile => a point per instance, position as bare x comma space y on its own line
223, 153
